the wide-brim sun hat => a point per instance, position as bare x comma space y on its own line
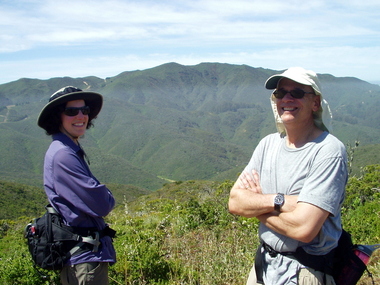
69, 93
323, 117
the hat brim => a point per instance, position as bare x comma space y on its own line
296, 74
272, 81
92, 99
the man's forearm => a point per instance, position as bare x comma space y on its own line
246, 203
303, 223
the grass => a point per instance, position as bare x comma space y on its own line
165, 240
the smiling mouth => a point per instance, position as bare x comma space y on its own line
78, 125
289, 109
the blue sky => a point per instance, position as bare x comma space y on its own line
53, 38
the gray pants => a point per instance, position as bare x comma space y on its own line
306, 276
94, 273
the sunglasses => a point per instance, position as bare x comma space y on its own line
295, 93
73, 111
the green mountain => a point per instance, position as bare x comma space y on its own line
173, 122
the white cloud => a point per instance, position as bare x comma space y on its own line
83, 21
114, 36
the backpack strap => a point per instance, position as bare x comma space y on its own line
90, 236
49, 208
259, 265
323, 263
95, 242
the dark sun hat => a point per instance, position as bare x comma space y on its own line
66, 94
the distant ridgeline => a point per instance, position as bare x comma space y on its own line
175, 123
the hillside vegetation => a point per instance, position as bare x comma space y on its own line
174, 122
184, 234
20, 200
169, 143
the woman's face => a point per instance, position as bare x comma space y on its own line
74, 126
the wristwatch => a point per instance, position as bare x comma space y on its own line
279, 201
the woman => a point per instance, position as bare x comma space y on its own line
70, 186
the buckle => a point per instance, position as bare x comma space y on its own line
270, 250
97, 242
93, 240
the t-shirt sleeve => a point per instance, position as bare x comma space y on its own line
325, 185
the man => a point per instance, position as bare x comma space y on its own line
72, 189
294, 184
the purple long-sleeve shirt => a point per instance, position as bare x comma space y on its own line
77, 195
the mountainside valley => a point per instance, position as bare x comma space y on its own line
169, 143
174, 122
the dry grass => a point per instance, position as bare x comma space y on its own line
213, 257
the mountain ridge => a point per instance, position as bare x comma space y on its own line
180, 122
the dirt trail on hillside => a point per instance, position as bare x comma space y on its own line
7, 114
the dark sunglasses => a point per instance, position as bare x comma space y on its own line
73, 111
295, 93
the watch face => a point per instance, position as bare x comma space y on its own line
279, 200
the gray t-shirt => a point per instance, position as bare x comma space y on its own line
317, 172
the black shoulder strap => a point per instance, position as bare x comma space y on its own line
55, 228
323, 263
60, 232
259, 265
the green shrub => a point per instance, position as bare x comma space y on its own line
191, 241
364, 223
16, 266
363, 189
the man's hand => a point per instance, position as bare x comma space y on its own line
246, 198
250, 182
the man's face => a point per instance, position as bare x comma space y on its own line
296, 112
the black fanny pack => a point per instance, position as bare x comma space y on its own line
51, 243
341, 263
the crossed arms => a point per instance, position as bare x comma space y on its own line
297, 220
